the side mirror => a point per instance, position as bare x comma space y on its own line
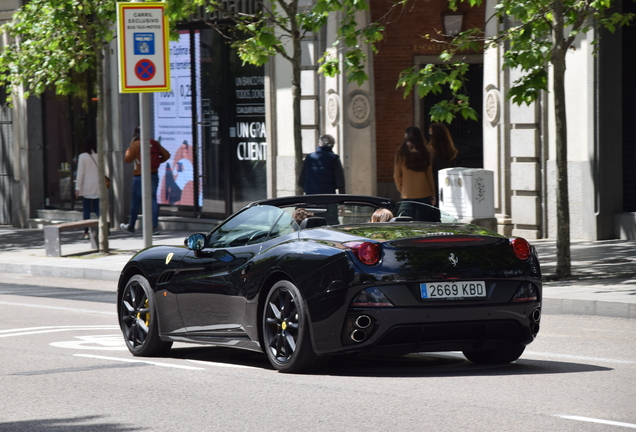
195, 242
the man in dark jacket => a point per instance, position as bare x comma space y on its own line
322, 171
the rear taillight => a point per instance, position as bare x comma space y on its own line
521, 248
370, 297
368, 253
527, 292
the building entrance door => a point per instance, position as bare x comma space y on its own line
467, 134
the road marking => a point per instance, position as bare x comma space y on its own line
59, 308
138, 361
221, 364
593, 420
51, 329
102, 342
577, 357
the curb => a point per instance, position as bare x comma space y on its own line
554, 306
61, 272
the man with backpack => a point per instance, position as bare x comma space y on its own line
158, 155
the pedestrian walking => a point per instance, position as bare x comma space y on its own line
412, 171
87, 181
444, 151
158, 155
322, 171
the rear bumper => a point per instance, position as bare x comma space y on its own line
422, 329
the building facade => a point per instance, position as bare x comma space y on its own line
230, 133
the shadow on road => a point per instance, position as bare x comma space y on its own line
414, 365
75, 424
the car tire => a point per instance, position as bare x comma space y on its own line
286, 336
496, 356
138, 319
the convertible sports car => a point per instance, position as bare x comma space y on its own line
335, 284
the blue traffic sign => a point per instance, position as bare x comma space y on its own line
144, 43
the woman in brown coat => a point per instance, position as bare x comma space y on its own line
412, 170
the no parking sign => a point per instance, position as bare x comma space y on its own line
143, 48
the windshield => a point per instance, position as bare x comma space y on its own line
252, 225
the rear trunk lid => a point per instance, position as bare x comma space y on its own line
439, 252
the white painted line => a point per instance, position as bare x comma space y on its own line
577, 357
87, 327
138, 361
221, 364
40, 330
601, 421
59, 308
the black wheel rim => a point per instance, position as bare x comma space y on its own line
281, 325
135, 314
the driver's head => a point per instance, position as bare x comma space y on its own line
301, 214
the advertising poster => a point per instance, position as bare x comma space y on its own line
249, 136
173, 127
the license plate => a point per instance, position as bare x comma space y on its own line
453, 290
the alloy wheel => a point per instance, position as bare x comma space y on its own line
281, 325
135, 315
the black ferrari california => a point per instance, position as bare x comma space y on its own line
335, 283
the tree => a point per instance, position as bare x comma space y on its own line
55, 40
538, 36
278, 27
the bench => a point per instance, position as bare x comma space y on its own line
52, 240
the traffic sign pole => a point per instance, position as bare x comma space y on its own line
146, 175
143, 59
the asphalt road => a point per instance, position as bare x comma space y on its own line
65, 368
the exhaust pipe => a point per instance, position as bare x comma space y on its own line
358, 335
363, 321
535, 317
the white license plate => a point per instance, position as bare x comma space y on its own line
453, 290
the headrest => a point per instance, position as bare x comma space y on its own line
402, 219
313, 222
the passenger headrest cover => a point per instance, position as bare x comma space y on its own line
313, 222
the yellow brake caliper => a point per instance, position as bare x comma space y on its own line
147, 318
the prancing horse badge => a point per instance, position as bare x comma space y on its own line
452, 258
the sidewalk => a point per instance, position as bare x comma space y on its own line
604, 281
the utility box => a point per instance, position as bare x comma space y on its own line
467, 193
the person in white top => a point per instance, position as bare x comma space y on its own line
87, 181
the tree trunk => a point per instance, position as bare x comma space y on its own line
104, 205
563, 267
296, 93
